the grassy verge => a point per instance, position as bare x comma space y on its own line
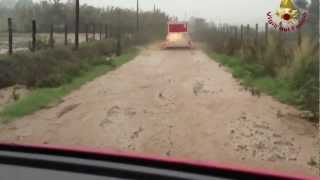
41, 97
254, 75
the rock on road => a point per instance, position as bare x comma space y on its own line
176, 103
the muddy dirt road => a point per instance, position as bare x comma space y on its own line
175, 103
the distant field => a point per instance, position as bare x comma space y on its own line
21, 40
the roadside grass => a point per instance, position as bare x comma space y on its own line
254, 75
41, 97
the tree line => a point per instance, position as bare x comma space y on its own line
60, 14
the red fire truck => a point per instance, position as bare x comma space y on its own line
178, 35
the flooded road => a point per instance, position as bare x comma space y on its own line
176, 103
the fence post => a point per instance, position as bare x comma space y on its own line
94, 31
280, 32
113, 31
100, 32
110, 31
241, 35
248, 34
281, 35
106, 31
66, 34
256, 40
34, 33
138, 23
77, 25
236, 32
10, 35
266, 31
87, 31
118, 47
299, 37
51, 40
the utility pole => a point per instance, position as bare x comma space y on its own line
77, 25
138, 23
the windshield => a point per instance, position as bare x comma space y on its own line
228, 82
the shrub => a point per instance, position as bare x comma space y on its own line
52, 67
6, 68
96, 48
41, 43
304, 75
280, 67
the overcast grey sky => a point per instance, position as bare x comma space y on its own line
230, 11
